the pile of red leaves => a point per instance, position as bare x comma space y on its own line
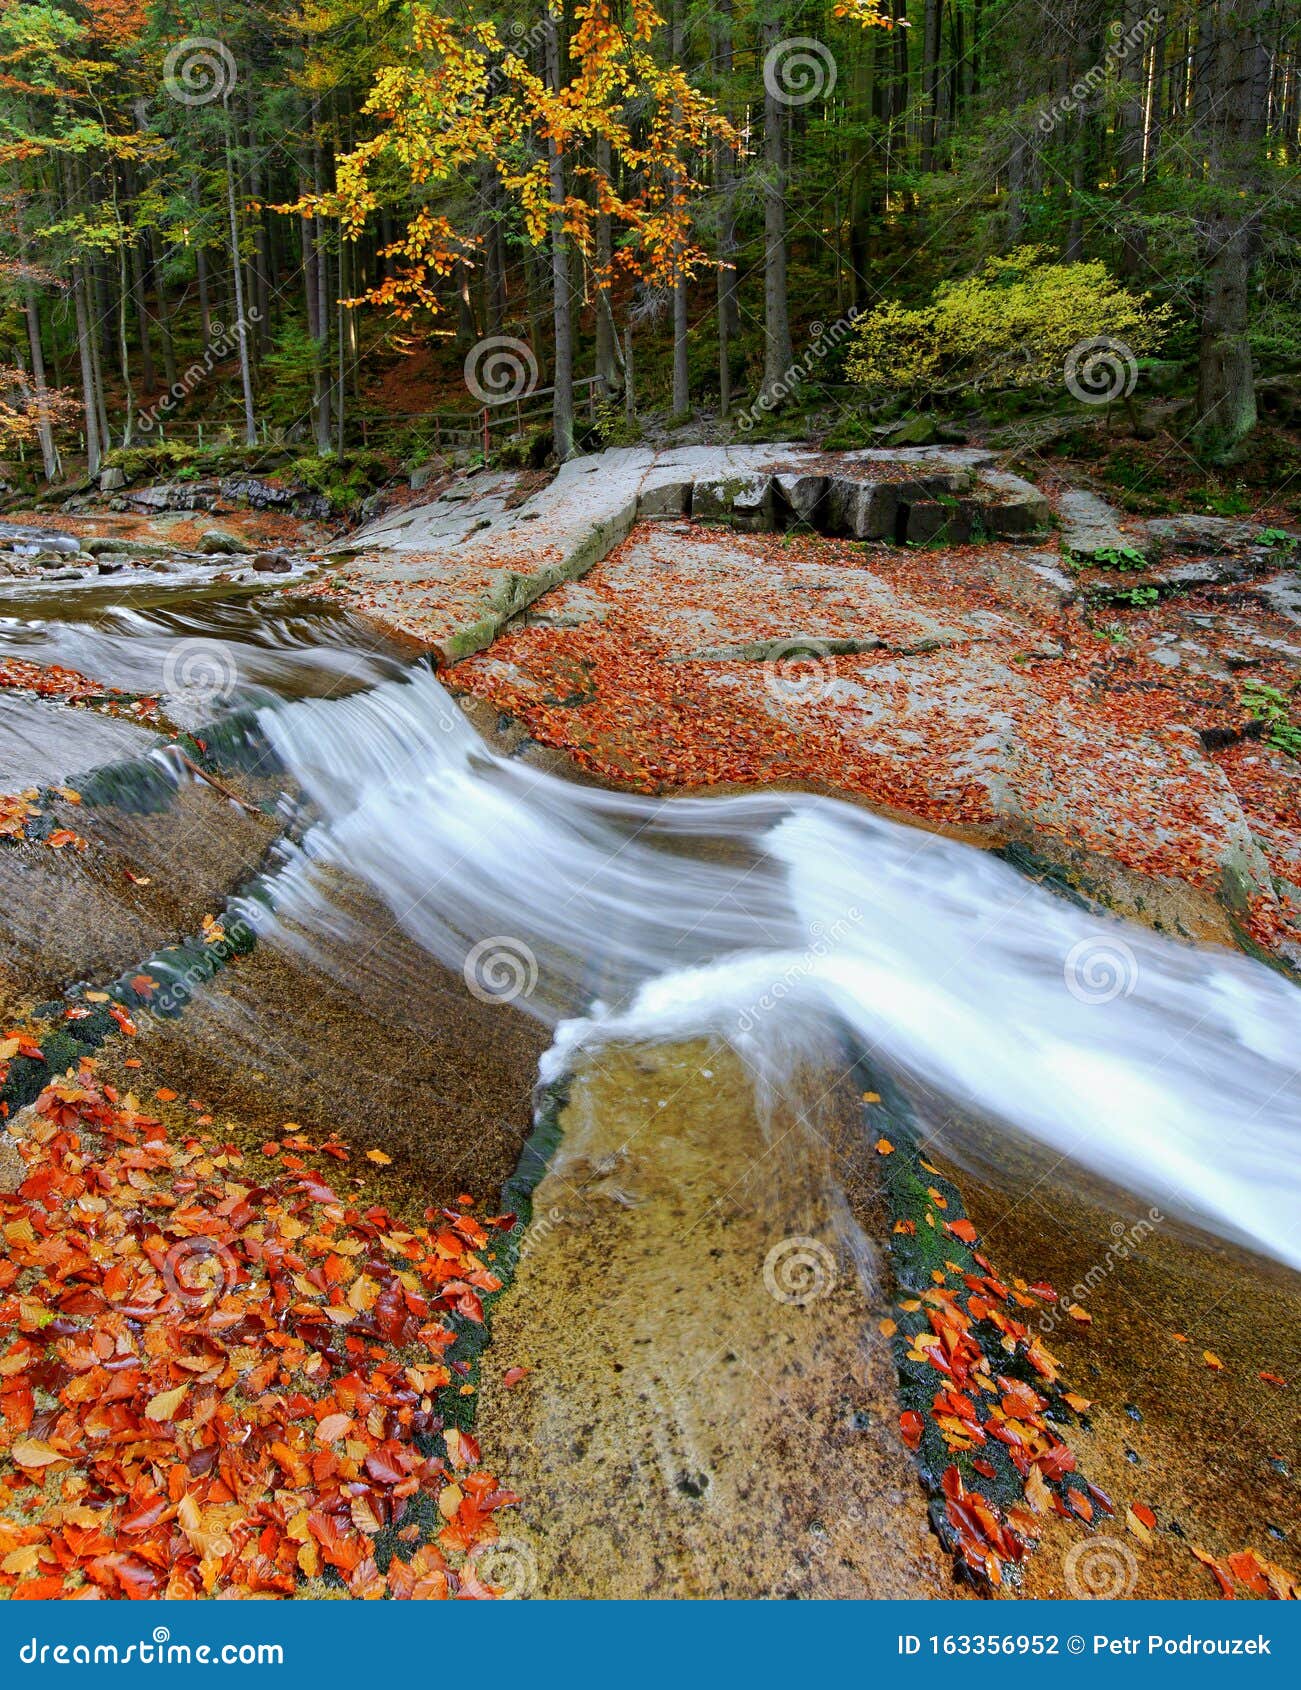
213, 1380
49, 680
18, 810
973, 1405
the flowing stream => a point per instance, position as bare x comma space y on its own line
791, 925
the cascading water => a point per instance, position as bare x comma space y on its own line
774, 920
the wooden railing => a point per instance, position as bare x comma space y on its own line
450, 429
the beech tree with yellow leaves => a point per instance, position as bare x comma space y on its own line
583, 134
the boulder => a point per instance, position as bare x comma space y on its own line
1195, 533
1011, 506
932, 521
261, 495
665, 499
865, 510
803, 497
744, 500
111, 479
272, 563
216, 543
106, 543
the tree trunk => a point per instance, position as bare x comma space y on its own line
728, 312
495, 257
681, 369
321, 369
1129, 140
777, 352
49, 451
1232, 125
86, 347
606, 355
237, 281
860, 193
562, 308
930, 81
205, 303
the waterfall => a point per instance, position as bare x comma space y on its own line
773, 919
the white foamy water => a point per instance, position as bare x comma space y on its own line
777, 921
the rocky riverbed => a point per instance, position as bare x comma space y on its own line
926, 634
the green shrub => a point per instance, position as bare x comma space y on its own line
1009, 326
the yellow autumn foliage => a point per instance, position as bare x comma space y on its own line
1011, 324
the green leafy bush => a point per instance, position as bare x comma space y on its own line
1009, 326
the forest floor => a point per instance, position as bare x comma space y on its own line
331, 1258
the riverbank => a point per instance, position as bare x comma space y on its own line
690, 659
1019, 698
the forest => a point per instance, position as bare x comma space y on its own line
357, 226
650, 863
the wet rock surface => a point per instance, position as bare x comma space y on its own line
686, 1429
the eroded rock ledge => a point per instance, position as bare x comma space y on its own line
972, 678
